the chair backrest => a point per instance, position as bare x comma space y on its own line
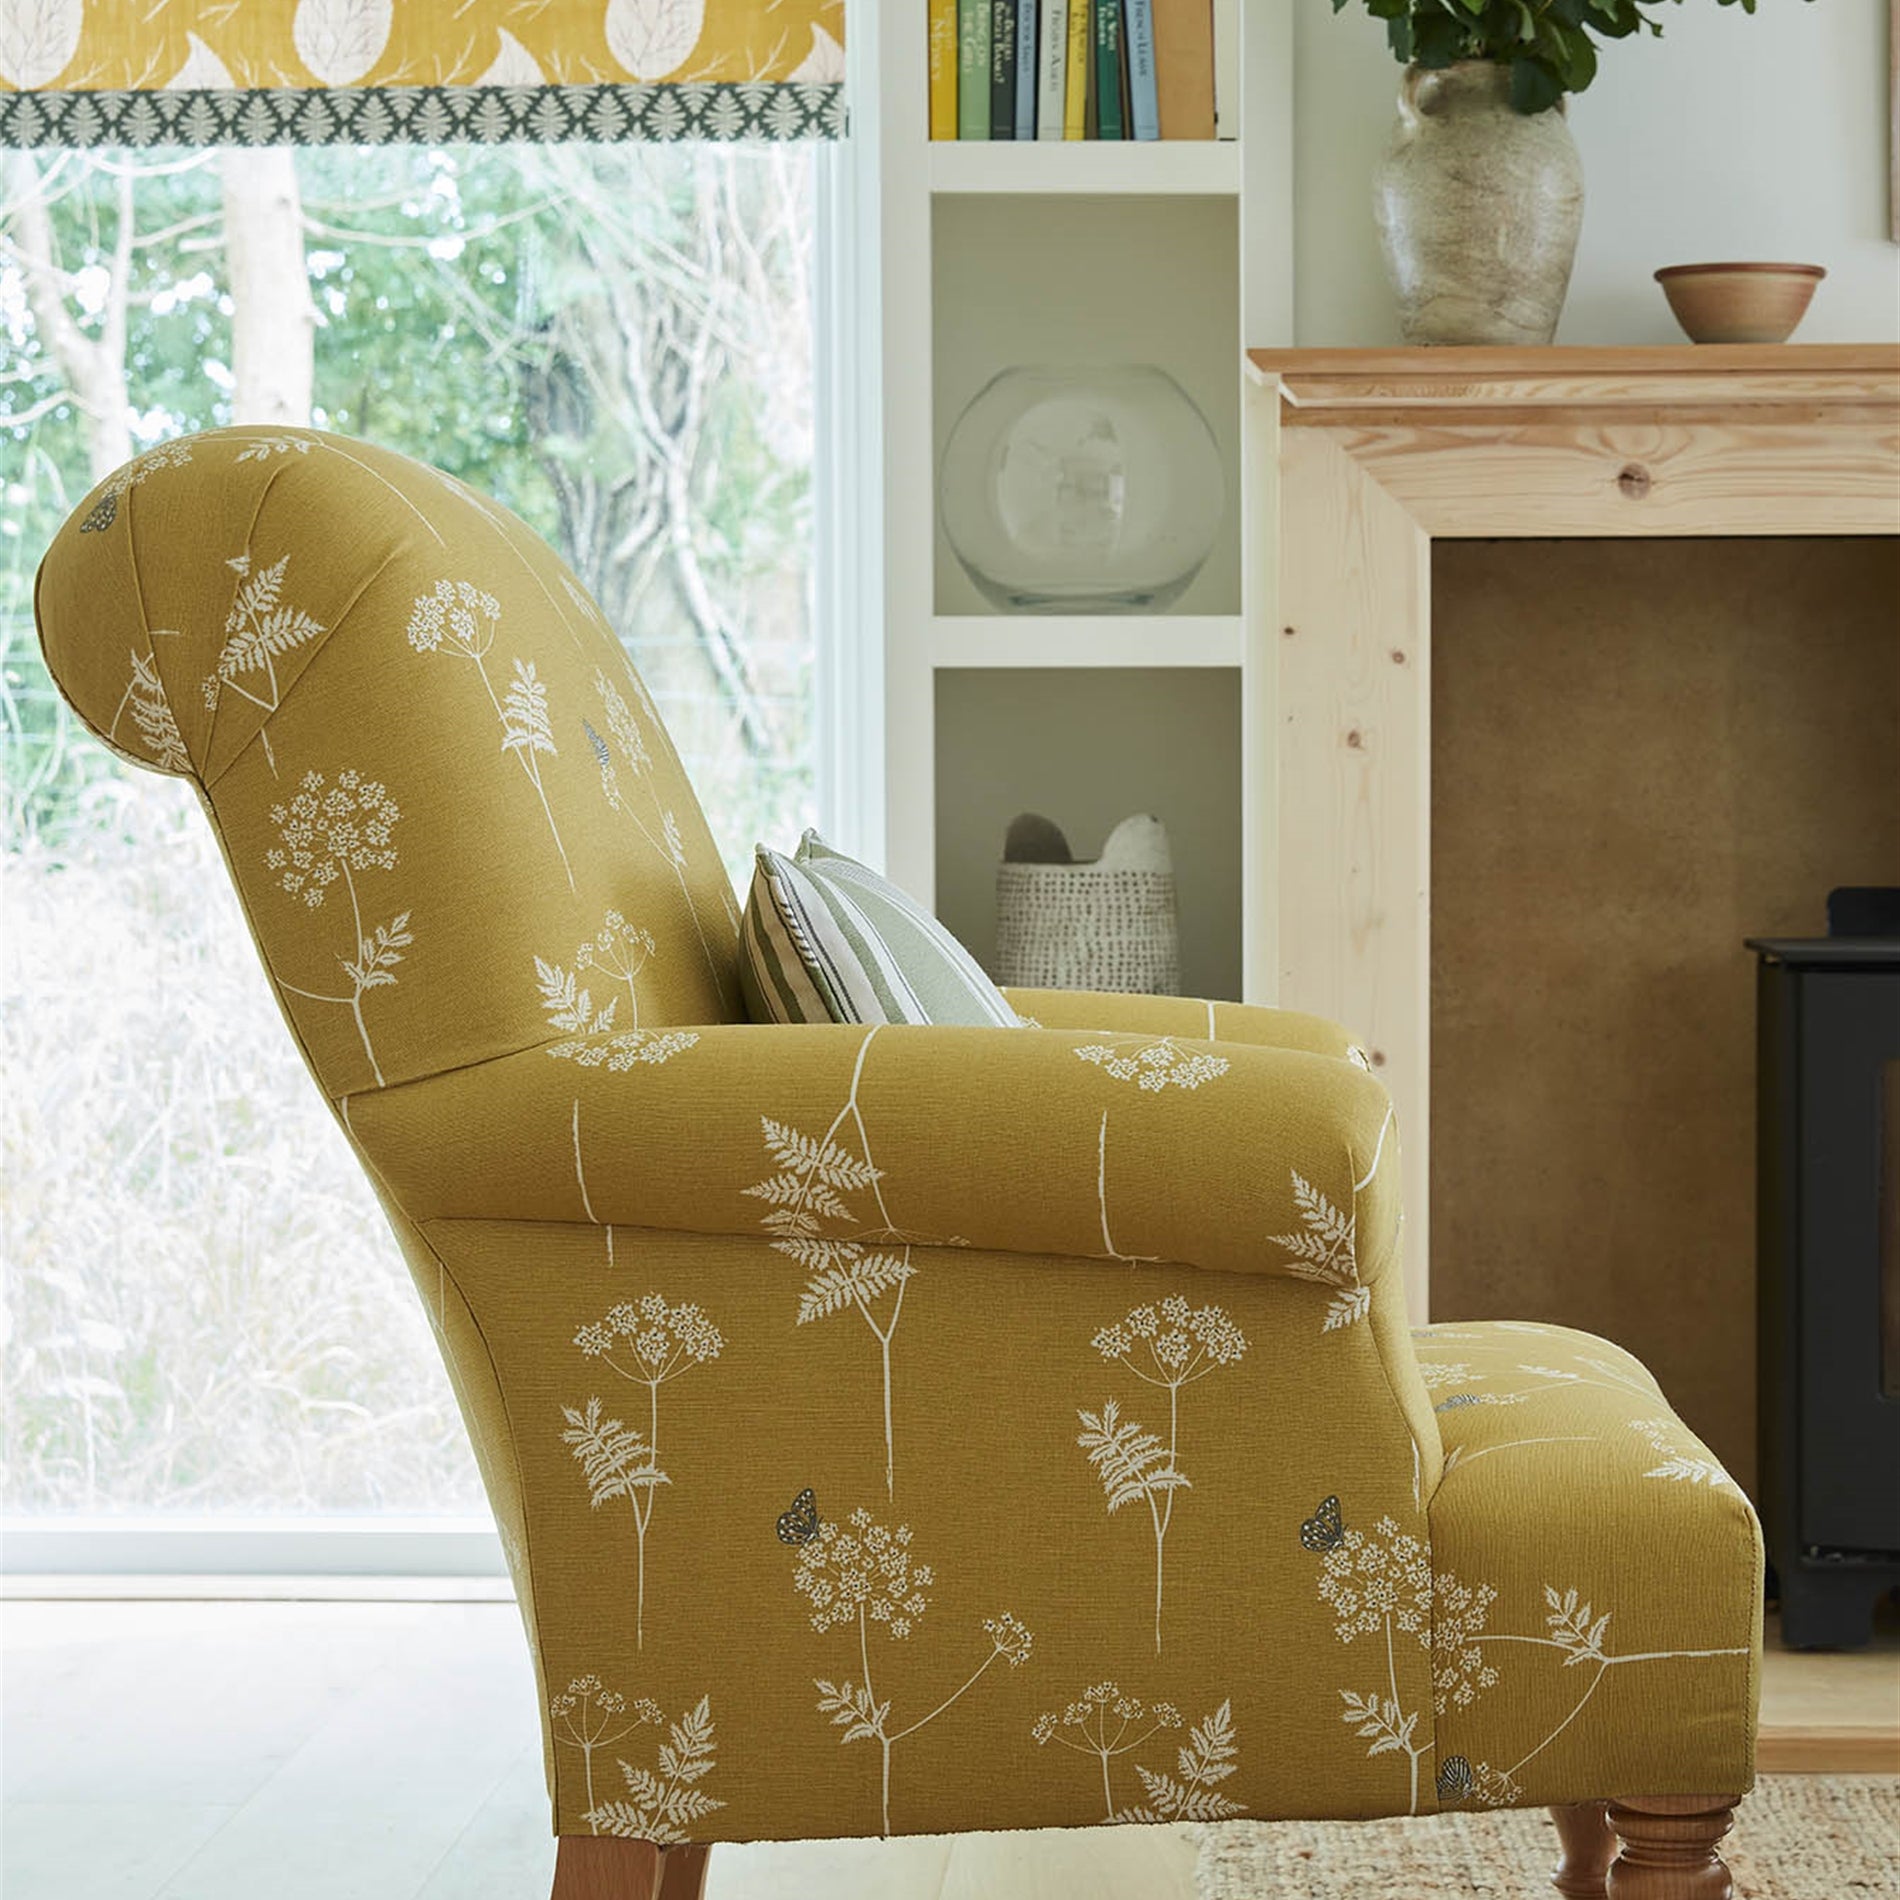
455, 821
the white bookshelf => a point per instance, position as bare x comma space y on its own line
1103, 640
1150, 170
990, 256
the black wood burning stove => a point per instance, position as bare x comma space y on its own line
1829, 1263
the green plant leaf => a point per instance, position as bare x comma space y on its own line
1437, 40
1535, 86
1578, 61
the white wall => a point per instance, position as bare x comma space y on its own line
1730, 137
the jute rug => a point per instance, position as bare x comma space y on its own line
1797, 1837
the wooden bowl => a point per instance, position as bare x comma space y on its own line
1739, 303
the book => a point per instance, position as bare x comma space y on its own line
1227, 69
1025, 69
1052, 70
1138, 36
1107, 89
943, 69
1184, 67
1002, 69
1075, 98
973, 69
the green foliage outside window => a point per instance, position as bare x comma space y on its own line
202, 1309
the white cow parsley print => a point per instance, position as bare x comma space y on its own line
1156, 1065
618, 954
1105, 1724
105, 511
863, 1575
662, 1803
589, 1716
336, 833
619, 1053
264, 448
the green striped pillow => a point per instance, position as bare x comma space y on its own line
827, 941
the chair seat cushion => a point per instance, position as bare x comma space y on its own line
1597, 1606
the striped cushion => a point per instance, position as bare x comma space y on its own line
827, 941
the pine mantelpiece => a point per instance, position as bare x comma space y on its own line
1809, 380
1684, 439
1361, 460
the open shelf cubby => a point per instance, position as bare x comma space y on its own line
1082, 279
1086, 747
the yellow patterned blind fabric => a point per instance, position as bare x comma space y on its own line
487, 70
135, 46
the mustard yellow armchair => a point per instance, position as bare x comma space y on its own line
899, 1429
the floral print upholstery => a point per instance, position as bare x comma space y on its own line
1595, 1566
899, 1429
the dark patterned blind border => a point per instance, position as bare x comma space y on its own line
426, 115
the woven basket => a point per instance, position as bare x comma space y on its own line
1109, 925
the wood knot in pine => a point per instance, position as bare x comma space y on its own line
1633, 481
1356, 739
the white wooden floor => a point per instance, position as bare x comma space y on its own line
377, 1751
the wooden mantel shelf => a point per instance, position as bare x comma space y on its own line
1821, 380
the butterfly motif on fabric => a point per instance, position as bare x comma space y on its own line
800, 1524
1325, 1529
1454, 1778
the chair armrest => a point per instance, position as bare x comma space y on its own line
854, 1149
1185, 1016
1226, 1156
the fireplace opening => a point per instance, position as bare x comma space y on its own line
1643, 752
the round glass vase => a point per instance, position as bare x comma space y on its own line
1076, 491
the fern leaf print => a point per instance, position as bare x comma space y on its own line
852, 1262
647, 1342
1170, 1345
663, 1803
460, 619
1324, 1250
152, 717
260, 629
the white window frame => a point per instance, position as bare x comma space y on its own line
235, 1556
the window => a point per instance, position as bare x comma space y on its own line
203, 1310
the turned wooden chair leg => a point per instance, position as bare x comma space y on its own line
597, 1867
1671, 1847
683, 1876
1588, 1846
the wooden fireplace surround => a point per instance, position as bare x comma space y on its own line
1358, 460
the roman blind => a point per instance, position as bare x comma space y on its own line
373, 72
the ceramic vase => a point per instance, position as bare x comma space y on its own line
1478, 207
